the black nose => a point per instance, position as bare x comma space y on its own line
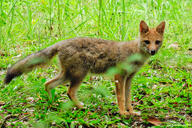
152, 52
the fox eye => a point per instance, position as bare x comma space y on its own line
146, 42
157, 42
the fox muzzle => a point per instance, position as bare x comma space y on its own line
152, 52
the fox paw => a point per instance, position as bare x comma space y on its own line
80, 105
130, 110
135, 113
126, 113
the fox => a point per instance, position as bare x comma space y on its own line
82, 55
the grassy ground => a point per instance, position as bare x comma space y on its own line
161, 89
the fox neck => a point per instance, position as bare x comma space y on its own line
141, 50
134, 47
130, 48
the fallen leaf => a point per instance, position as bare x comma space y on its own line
26, 113
175, 104
4, 124
174, 46
30, 99
154, 121
185, 85
89, 113
154, 87
2, 103
1, 53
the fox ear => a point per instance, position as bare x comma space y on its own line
143, 27
161, 27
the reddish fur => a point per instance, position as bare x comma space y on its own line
79, 56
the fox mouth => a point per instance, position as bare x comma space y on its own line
152, 54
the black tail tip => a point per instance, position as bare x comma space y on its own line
10, 76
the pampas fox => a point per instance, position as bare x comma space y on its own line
78, 56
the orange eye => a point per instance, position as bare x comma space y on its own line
157, 42
147, 41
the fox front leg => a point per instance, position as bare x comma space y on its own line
120, 92
128, 105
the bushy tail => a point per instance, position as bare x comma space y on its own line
30, 62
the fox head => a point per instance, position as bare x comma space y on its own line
151, 39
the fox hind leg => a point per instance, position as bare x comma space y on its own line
76, 77
72, 93
60, 79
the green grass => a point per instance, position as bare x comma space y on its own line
161, 89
